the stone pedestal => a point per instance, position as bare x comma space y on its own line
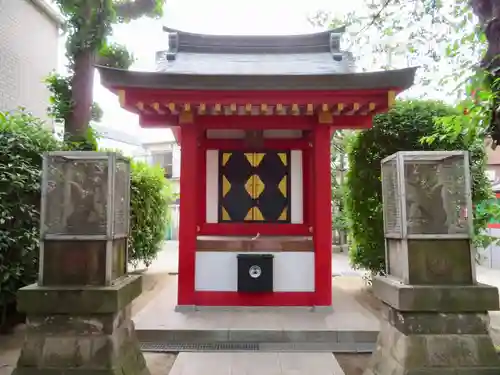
80, 330
435, 330
437, 316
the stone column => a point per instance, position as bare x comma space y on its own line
437, 314
79, 312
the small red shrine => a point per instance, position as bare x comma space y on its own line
254, 117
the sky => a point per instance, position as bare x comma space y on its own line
145, 36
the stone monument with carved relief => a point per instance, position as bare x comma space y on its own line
437, 313
79, 312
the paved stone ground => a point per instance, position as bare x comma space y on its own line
491, 277
256, 364
243, 363
347, 314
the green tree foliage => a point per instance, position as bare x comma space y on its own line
402, 129
439, 36
488, 13
23, 139
337, 170
150, 195
89, 26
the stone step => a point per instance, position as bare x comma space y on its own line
256, 363
262, 340
177, 347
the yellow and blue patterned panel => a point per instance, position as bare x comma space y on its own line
254, 187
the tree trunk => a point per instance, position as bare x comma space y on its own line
82, 84
82, 94
488, 12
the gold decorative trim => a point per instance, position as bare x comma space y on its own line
186, 117
157, 108
309, 109
122, 97
340, 108
217, 108
264, 109
391, 98
279, 109
325, 117
355, 108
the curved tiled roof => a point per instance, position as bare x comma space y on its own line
254, 63
254, 44
390, 79
241, 62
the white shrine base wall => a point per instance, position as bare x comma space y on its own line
217, 271
296, 183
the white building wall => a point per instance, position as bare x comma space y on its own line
29, 52
126, 148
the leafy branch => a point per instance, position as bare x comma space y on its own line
89, 25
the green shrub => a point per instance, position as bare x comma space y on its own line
149, 199
23, 139
401, 129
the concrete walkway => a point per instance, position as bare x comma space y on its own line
256, 364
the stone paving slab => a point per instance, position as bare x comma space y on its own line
256, 364
347, 315
348, 328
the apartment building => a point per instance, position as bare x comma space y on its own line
167, 155
29, 47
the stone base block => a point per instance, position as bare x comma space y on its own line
436, 298
93, 345
42, 300
93, 338
398, 353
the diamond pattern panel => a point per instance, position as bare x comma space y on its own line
274, 199
235, 202
254, 187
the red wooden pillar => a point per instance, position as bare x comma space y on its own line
188, 214
322, 227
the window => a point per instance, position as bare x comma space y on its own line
164, 160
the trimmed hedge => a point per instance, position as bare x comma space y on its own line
402, 129
149, 199
23, 139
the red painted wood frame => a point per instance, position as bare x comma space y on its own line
495, 225
188, 215
248, 229
322, 212
318, 210
148, 95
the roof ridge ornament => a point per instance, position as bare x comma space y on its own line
173, 45
259, 44
335, 41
